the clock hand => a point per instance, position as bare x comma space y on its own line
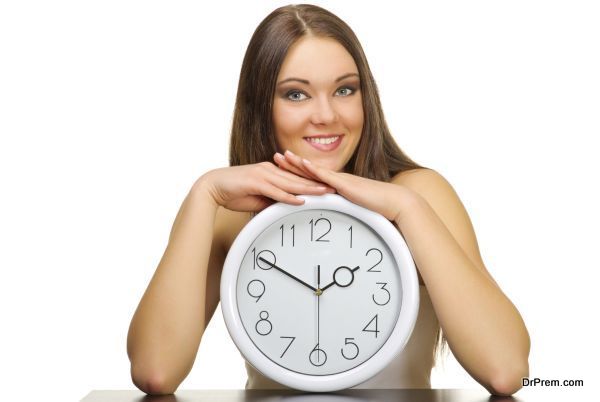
336, 283
288, 274
318, 293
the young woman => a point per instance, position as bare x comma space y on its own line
308, 121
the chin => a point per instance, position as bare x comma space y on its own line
330, 164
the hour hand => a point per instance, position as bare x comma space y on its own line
341, 281
288, 274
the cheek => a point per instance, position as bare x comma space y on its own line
288, 122
354, 119
357, 121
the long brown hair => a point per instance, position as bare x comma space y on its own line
377, 155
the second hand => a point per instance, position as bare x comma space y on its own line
318, 306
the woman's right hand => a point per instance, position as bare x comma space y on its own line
251, 188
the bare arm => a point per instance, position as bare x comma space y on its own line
167, 327
168, 324
484, 329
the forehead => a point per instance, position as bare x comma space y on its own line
317, 59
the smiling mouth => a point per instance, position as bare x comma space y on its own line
325, 142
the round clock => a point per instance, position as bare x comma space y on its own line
321, 296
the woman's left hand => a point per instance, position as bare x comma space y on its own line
381, 197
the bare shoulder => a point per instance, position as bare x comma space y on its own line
446, 203
422, 180
434, 188
440, 195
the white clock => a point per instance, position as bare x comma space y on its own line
321, 296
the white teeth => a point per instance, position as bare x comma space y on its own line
324, 140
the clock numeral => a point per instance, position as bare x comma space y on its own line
374, 322
267, 255
317, 356
293, 234
293, 338
313, 226
354, 346
376, 250
263, 326
389, 296
350, 230
256, 289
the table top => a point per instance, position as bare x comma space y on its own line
350, 395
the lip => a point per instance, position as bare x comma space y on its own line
325, 147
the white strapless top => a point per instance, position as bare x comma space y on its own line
410, 369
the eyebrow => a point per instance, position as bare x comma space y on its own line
308, 82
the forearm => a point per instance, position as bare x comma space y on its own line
484, 329
167, 326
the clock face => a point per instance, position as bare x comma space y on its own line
318, 292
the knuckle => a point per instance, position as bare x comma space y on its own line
260, 169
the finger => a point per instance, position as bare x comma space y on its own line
291, 173
280, 171
298, 187
290, 164
327, 176
286, 166
277, 194
284, 163
296, 161
250, 203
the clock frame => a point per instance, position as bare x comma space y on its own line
408, 300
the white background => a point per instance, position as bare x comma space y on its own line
110, 110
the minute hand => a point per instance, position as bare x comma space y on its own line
288, 274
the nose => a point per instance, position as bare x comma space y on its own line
324, 112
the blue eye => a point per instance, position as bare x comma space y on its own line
346, 91
296, 96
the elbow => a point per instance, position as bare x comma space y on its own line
152, 382
507, 378
508, 381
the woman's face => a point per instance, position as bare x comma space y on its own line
317, 109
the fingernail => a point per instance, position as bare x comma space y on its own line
278, 155
289, 152
306, 161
